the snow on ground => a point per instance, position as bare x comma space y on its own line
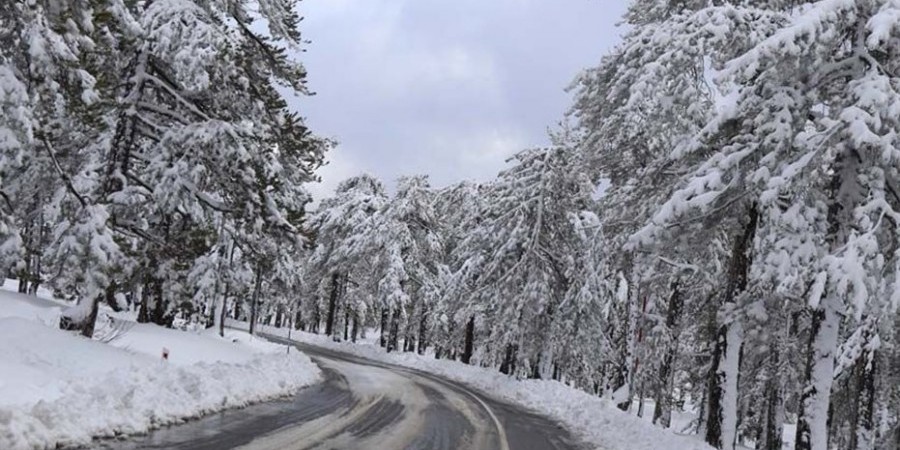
595, 420
60, 389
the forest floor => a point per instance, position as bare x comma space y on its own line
591, 419
59, 389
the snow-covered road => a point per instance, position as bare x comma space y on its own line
367, 405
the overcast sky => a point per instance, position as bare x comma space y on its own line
448, 88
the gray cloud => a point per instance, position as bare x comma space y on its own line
447, 88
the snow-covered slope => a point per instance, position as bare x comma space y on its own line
58, 388
595, 420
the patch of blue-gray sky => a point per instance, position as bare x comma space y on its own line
448, 88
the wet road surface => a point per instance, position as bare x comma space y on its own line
365, 405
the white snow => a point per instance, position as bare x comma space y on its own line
57, 388
593, 419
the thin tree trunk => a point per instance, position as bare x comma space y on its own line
508, 366
346, 323
254, 302
662, 413
223, 313
384, 327
394, 335
143, 308
159, 308
423, 330
469, 346
332, 304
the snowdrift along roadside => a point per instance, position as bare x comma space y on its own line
58, 389
594, 420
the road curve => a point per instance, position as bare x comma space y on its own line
365, 405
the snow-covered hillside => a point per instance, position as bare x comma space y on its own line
58, 388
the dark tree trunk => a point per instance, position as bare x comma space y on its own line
279, 313
662, 414
299, 323
738, 270
143, 310
774, 426
394, 334
354, 334
384, 327
508, 366
423, 331
536, 368
469, 346
620, 381
316, 318
254, 301
864, 426
159, 307
346, 323
409, 343
332, 304
87, 329
223, 314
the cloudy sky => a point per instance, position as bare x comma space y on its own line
448, 88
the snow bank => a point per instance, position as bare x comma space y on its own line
592, 419
60, 389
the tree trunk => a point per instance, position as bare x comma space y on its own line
508, 366
423, 331
812, 422
469, 346
865, 428
332, 304
159, 307
394, 334
812, 425
346, 323
87, 329
773, 428
223, 313
536, 368
143, 309
384, 327
662, 414
254, 301
721, 422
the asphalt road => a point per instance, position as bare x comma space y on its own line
365, 405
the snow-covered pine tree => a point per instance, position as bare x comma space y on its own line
457, 209
52, 57
811, 134
651, 94
516, 262
344, 227
411, 263
182, 157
